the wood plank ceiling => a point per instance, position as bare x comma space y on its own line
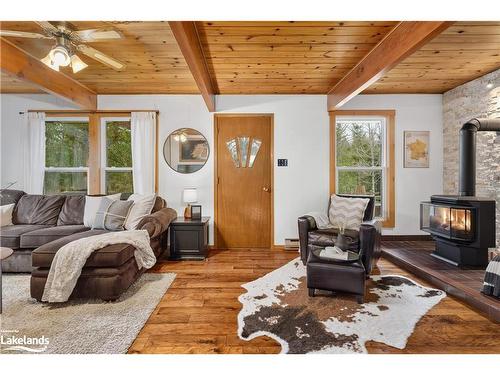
463, 52
273, 57
285, 57
155, 64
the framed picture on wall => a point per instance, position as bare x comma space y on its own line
193, 150
416, 149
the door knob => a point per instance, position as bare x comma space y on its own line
266, 189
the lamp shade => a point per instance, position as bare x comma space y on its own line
190, 195
77, 64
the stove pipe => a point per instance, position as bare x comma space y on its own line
467, 166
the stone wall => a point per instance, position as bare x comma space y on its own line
474, 99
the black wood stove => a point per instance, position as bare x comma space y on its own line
463, 225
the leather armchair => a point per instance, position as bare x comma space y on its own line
366, 241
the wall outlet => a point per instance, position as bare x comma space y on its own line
282, 162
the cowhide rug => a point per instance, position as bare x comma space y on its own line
277, 305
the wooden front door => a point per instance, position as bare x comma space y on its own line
243, 181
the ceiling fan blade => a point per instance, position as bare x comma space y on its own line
23, 34
47, 26
101, 57
96, 35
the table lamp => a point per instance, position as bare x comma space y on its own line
189, 196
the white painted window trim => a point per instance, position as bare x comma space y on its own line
104, 153
384, 167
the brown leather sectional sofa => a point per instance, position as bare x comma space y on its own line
42, 224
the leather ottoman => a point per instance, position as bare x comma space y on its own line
336, 277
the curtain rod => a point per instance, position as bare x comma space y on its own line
97, 111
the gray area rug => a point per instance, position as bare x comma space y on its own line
79, 326
277, 305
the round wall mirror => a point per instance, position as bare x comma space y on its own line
186, 150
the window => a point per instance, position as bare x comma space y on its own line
88, 152
66, 155
362, 158
116, 155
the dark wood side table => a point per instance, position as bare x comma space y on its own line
189, 238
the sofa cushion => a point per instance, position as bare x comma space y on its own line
9, 196
159, 204
112, 214
143, 204
6, 214
92, 203
328, 237
38, 209
72, 210
10, 235
40, 237
103, 283
109, 256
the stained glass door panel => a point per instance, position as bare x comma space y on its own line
243, 151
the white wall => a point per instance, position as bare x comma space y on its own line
301, 135
13, 132
413, 185
176, 111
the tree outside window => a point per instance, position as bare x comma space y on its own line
116, 156
66, 156
360, 158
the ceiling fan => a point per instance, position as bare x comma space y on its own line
68, 42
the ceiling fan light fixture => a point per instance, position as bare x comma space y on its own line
77, 64
60, 56
47, 60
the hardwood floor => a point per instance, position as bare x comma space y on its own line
198, 314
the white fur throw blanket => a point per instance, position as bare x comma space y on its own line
68, 262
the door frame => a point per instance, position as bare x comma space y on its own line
271, 151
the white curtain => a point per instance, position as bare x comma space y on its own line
35, 153
143, 151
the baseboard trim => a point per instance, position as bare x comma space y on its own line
384, 238
407, 237
274, 247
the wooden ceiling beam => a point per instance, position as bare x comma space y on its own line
404, 39
20, 64
189, 43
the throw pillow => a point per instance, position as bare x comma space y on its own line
6, 214
347, 212
92, 205
143, 204
112, 214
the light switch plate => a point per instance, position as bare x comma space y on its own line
282, 162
